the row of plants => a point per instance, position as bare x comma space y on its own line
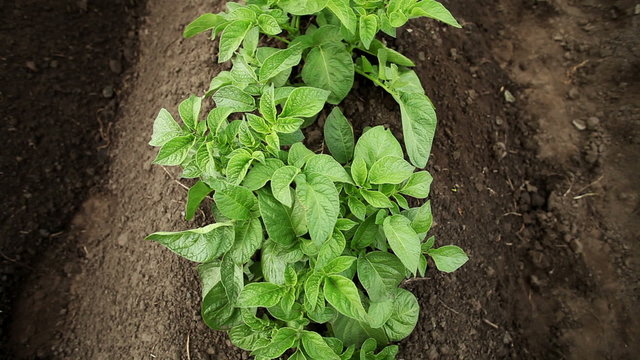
308, 250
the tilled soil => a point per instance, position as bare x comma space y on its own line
542, 196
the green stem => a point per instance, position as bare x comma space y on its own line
375, 80
280, 38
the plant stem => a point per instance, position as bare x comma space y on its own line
280, 38
375, 80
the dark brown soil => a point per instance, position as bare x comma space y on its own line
547, 212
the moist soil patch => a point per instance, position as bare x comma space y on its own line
551, 240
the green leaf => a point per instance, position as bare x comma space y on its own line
403, 240
261, 173
338, 264
217, 117
203, 23
397, 19
258, 124
390, 170
418, 126
248, 240
428, 244
276, 218
366, 234
269, 25
380, 312
304, 102
175, 151
268, 104
338, 135
343, 295
375, 144
234, 98
343, 11
196, 194
331, 249
325, 165
405, 316
379, 273
302, 7
199, 245
357, 208
235, 202
217, 309
316, 347
376, 199
242, 72
260, 295
298, 155
282, 341
298, 355
390, 54
231, 38
209, 276
359, 171
280, 61
238, 166
421, 218
353, 332
368, 29
165, 128
418, 185
422, 265
288, 125
434, 10
247, 338
330, 67
319, 197
448, 258
280, 184
312, 290
345, 224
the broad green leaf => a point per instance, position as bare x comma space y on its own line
418, 185
304, 102
298, 355
269, 25
273, 143
235, 202
209, 276
165, 128
232, 279
390, 170
401, 200
218, 311
380, 311
203, 23
343, 295
260, 295
368, 29
312, 290
418, 126
379, 273
199, 245
448, 258
196, 194
376, 198
217, 118
302, 7
268, 104
345, 224
342, 10
298, 155
353, 332
331, 249
319, 197
242, 72
366, 233
261, 173
275, 259
409, 82
248, 239
375, 144
330, 67
258, 124
322, 313
276, 218
247, 338
222, 79
175, 151
397, 19
282, 341
338, 264
338, 135
234, 98
280, 61
390, 54
316, 347
288, 125
357, 208
359, 171
422, 265
299, 218
434, 10
405, 316
325, 165
281, 184
238, 166
231, 38
428, 244
421, 218
403, 240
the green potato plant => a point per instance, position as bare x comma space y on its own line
308, 251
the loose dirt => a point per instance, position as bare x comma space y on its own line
543, 197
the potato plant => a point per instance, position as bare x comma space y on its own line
308, 251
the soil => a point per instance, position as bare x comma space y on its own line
535, 167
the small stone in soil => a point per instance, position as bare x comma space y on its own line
107, 92
574, 94
31, 65
579, 124
115, 66
593, 122
508, 97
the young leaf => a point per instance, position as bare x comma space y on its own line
165, 128
338, 135
312, 289
276, 218
231, 38
434, 10
375, 144
357, 208
366, 234
235, 202
338, 264
368, 29
421, 218
379, 273
275, 259
258, 124
376, 199
261, 173
323, 164
201, 24
330, 67
403, 240
260, 295
248, 240
319, 197
418, 126
217, 309
298, 155
282, 341
343, 11
234, 98
199, 245
302, 7
196, 194
268, 104
280, 61
380, 311
390, 170
247, 338
316, 347
343, 295
405, 316
418, 185
238, 166
304, 102
280, 184
175, 151
217, 118
331, 249
448, 258
422, 265
288, 125
359, 171
269, 25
